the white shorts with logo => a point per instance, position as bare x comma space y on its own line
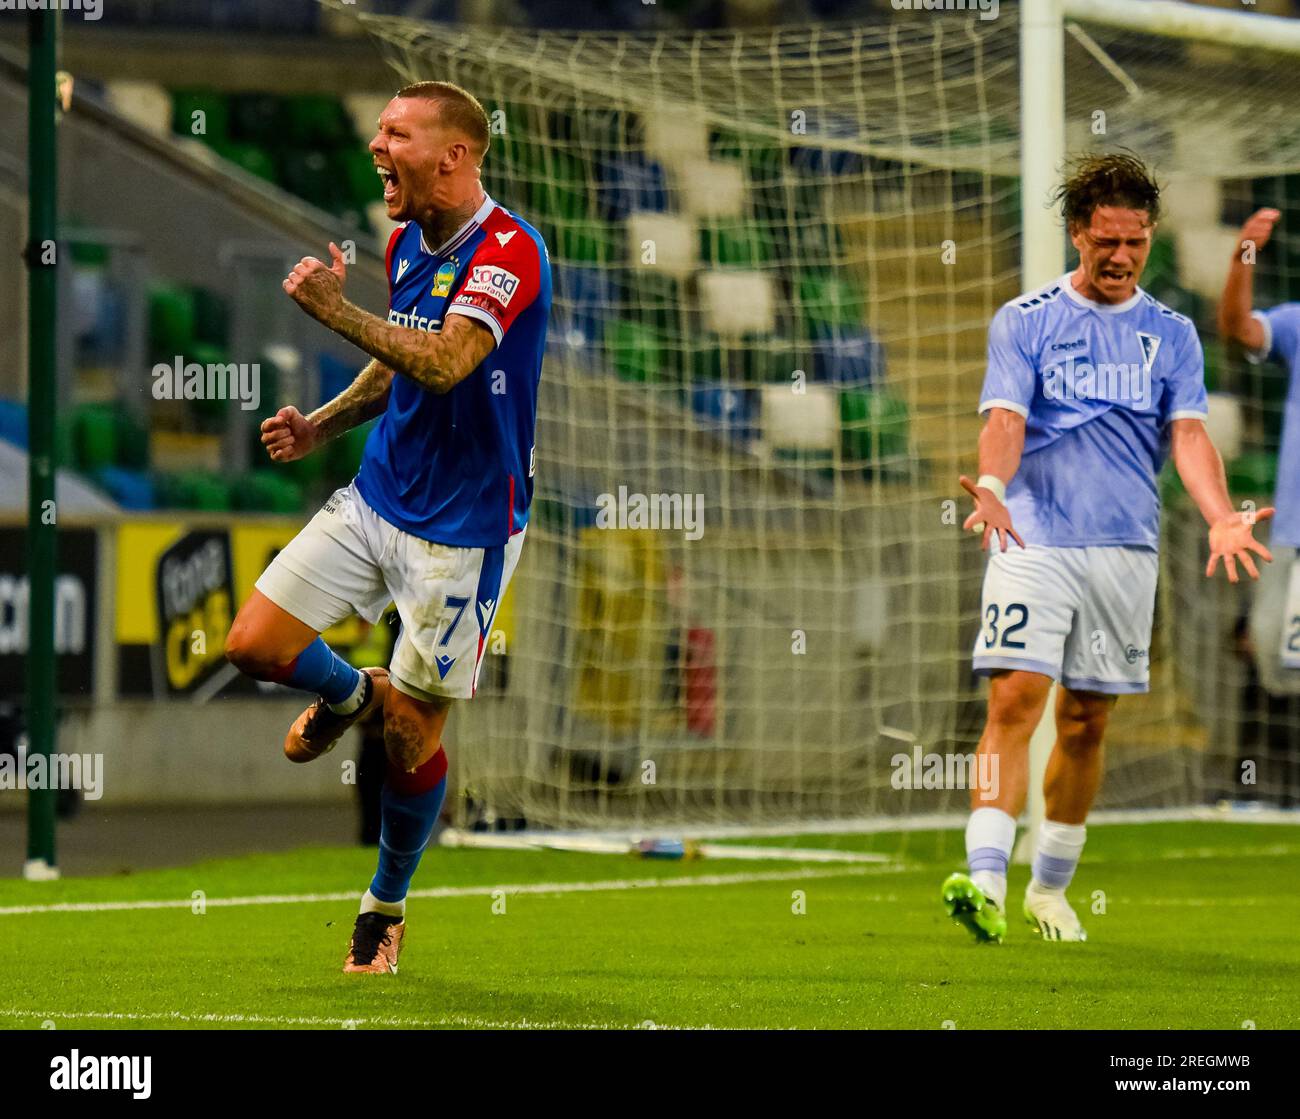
1079, 615
349, 560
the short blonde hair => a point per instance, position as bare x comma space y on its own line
457, 108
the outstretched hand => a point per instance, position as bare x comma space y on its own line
1232, 539
316, 287
990, 516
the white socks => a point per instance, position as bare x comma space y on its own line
347, 706
1057, 854
990, 835
371, 904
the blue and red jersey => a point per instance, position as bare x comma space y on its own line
457, 468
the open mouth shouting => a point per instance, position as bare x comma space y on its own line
389, 178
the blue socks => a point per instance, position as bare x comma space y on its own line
320, 670
408, 821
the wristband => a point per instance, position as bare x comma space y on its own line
994, 484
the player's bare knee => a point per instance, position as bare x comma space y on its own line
1081, 729
1016, 704
250, 654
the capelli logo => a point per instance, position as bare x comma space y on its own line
1133, 654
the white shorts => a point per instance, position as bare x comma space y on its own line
1079, 615
349, 560
1275, 622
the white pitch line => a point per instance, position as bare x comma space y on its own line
454, 891
465, 1021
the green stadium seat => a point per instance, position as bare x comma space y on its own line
560, 188
655, 298
774, 360
211, 318
705, 361
735, 244
258, 118
827, 304
215, 119
1214, 365
357, 169
193, 489
586, 242
873, 429
308, 173
317, 120
1254, 473
89, 254
763, 161
171, 321
253, 158
1162, 266
95, 437
210, 413
636, 351
132, 440
266, 491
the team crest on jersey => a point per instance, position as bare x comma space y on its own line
1150, 347
445, 277
488, 280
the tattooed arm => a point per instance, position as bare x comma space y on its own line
438, 361
289, 435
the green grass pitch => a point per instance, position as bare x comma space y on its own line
1199, 931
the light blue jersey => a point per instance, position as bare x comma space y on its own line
1098, 385
1282, 344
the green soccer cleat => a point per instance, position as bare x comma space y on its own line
967, 904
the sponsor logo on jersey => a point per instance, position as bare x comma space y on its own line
414, 321
489, 280
1133, 654
443, 280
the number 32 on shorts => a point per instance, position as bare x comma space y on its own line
1004, 622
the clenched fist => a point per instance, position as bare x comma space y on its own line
316, 287
289, 435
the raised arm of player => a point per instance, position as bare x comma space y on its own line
1200, 467
1002, 441
1236, 323
289, 435
438, 361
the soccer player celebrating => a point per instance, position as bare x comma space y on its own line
434, 520
1272, 334
1090, 383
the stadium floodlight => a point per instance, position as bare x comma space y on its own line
776, 255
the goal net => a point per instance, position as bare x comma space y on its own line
746, 600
